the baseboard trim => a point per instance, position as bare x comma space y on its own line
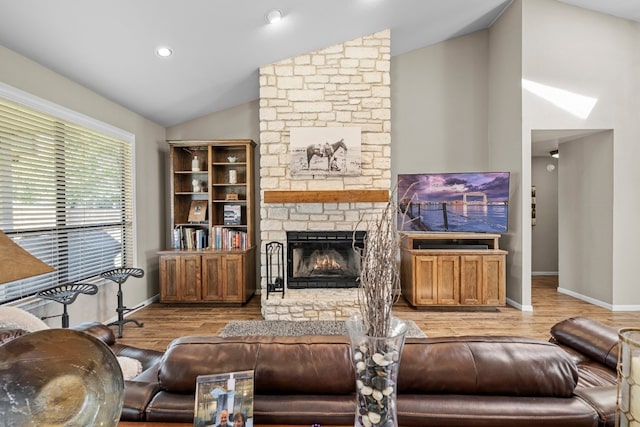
544, 273
519, 306
611, 307
585, 298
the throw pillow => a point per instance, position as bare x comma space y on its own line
130, 367
14, 317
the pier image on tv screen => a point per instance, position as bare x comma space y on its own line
454, 202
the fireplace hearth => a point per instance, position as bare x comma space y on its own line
323, 259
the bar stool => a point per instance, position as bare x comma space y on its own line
65, 295
120, 275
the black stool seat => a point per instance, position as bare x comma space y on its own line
67, 294
120, 275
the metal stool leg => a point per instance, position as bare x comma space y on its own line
121, 310
65, 316
120, 275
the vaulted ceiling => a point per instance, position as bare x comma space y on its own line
219, 45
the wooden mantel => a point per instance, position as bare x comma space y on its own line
326, 196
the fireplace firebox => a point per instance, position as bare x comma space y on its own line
323, 259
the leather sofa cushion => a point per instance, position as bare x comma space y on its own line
321, 364
277, 409
287, 365
590, 337
436, 410
508, 366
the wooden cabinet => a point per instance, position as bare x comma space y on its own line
457, 269
224, 278
212, 256
207, 276
180, 277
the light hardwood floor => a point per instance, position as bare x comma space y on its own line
163, 323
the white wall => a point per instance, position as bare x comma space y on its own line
506, 151
544, 235
28, 76
596, 56
239, 122
439, 97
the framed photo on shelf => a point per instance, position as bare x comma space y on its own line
232, 214
198, 211
224, 398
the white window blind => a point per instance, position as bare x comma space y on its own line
65, 196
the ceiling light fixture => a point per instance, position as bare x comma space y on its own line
554, 154
164, 52
273, 16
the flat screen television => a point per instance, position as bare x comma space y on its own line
454, 202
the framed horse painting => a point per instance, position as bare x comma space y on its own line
325, 151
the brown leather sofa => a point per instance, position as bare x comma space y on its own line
450, 381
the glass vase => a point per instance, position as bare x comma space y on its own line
376, 361
629, 378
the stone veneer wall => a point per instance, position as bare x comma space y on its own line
343, 85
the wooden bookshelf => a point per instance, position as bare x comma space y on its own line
207, 177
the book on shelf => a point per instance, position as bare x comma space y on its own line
228, 238
190, 238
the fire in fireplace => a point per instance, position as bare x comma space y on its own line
323, 259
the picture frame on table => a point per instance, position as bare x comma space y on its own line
224, 397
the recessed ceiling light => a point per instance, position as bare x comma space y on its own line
164, 52
273, 16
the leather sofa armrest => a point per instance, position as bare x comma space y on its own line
603, 399
137, 396
98, 330
589, 337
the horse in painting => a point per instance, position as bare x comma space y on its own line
328, 151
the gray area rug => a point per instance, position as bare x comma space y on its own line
240, 328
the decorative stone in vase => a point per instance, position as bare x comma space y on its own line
377, 362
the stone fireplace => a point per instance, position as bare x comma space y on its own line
343, 85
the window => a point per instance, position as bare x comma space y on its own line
65, 192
